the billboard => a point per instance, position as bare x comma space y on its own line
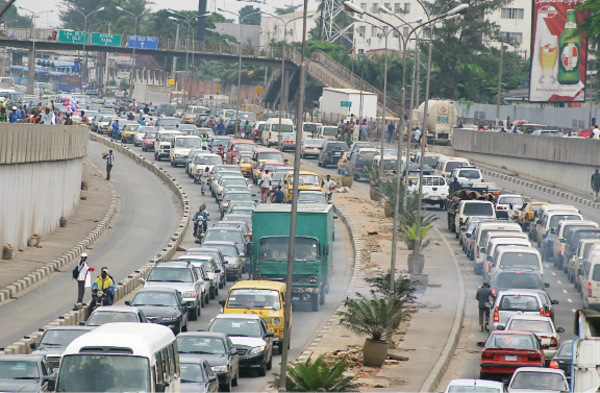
142, 42
558, 52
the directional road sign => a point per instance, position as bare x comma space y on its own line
346, 104
142, 42
72, 37
106, 39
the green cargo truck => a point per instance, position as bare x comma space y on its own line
313, 259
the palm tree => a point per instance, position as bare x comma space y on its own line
317, 376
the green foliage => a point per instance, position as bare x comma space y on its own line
253, 19
404, 289
12, 18
317, 376
123, 85
408, 234
375, 316
112, 82
286, 10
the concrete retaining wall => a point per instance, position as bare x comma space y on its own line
566, 162
40, 173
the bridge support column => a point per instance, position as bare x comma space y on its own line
31, 70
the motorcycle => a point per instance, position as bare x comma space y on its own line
100, 298
200, 226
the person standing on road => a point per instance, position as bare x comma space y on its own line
484, 296
110, 161
83, 278
390, 131
115, 130
596, 132
247, 130
220, 128
277, 196
265, 186
204, 178
328, 187
417, 135
596, 184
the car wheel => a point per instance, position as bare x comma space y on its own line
355, 177
193, 314
280, 348
319, 163
314, 303
262, 371
143, 149
212, 293
184, 328
270, 363
202, 301
442, 206
207, 299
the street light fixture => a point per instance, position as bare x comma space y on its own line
135, 17
239, 81
85, 17
282, 90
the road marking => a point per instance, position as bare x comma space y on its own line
564, 291
569, 300
559, 282
554, 274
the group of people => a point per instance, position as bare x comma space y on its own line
104, 282
37, 115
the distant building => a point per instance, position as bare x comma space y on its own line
272, 29
247, 33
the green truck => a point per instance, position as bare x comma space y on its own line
313, 253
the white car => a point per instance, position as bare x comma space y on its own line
538, 379
466, 175
435, 190
543, 327
211, 270
311, 147
474, 386
505, 201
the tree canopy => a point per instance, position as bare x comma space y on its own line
250, 16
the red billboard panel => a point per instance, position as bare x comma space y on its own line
558, 52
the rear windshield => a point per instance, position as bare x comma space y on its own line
519, 303
452, 165
520, 341
366, 156
531, 325
478, 209
596, 273
506, 280
331, 131
469, 174
519, 260
533, 381
559, 217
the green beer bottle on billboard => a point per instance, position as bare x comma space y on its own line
569, 45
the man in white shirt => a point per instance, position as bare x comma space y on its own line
596, 132
265, 186
83, 278
328, 187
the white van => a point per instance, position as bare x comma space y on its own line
431, 158
446, 165
590, 280
565, 227
328, 133
515, 257
162, 144
480, 238
472, 208
491, 249
271, 131
130, 357
550, 220
181, 146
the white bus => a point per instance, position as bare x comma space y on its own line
121, 357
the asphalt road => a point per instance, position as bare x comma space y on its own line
306, 324
147, 217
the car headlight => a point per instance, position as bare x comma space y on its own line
189, 294
256, 351
277, 321
223, 368
168, 319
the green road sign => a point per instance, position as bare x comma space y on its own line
72, 37
106, 39
346, 104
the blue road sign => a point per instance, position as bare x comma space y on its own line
142, 42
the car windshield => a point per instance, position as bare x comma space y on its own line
276, 249
207, 345
431, 160
518, 280
244, 147
166, 274
307, 180
245, 159
188, 142
254, 298
452, 165
519, 303
314, 142
271, 156
210, 160
100, 318
530, 325
14, 369
308, 127
559, 217
330, 131
519, 260
235, 181
472, 389
389, 164
367, 156
215, 234
565, 350
510, 200
150, 135
311, 198
208, 267
236, 327
539, 381
238, 196
228, 250
191, 373
54, 338
284, 127
169, 123
469, 174
478, 209
159, 299
518, 341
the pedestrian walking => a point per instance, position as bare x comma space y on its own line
110, 161
328, 187
596, 184
596, 132
390, 132
15, 116
277, 195
83, 277
417, 135
484, 296
115, 130
265, 186
220, 128
48, 117
204, 175
247, 130
363, 131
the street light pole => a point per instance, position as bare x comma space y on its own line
498, 97
135, 22
85, 18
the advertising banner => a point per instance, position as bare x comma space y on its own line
558, 52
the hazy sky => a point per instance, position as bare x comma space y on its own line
48, 19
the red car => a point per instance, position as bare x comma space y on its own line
148, 142
505, 351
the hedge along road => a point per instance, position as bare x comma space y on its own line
147, 217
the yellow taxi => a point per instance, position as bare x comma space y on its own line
308, 181
245, 163
262, 297
527, 213
342, 165
128, 132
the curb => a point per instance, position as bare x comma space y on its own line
38, 274
131, 281
357, 250
441, 365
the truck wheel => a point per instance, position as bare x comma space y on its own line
314, 302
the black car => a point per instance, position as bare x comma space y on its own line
55, 340
164, 306
251, 337
196, 376
218, 350
331, 153
26, 373
563, 358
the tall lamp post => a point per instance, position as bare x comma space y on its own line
33, 16
85, 18
404, 41
135, 22
282, 91
499, 96
239, 79
188, 21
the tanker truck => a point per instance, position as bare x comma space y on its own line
440, 122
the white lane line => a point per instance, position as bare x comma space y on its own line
554, 274
570, 301
564, 291
559, 282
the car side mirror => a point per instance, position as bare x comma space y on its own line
270, 333
82, 323
480, 344
554, 302
222, 302
33, 345
127, 303
500, 327
242, 255
141, 280
546, 285
560, 330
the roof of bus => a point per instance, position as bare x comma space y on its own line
142, 338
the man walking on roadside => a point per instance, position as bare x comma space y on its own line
83, 278
484, 296
328, 187
265, 186
596, 184
110, 161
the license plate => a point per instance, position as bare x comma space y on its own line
295, 297
337, 154
510, 358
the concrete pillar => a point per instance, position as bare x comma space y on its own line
31, 70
